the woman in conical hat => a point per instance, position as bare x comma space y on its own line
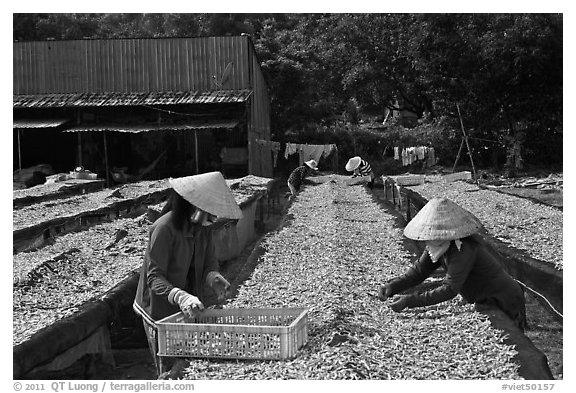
180, 260
360, 168
298, 175
473, 269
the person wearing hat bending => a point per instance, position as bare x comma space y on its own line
472, 268
360, 168
180, 259
298, 175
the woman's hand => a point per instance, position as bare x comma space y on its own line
189, 304
384, 292
399, 302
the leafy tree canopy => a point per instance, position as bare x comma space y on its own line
503, 70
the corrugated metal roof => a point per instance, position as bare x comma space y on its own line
39, 123
135, 128
130, 99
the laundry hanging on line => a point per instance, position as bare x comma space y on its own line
309, 152
273, 146
409, 155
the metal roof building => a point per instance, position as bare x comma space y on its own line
194, 97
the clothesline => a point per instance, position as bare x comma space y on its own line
305, 151
309, 152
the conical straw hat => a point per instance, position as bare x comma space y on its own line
353, 163
442, 219
209, 192
312, 164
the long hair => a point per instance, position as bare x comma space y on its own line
181, 209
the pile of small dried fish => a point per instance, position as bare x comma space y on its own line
331, 257
71, 206
55, 281
521, 223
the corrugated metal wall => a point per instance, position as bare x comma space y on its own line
259, 125
150, 65
131, 65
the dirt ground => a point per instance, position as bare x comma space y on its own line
546, 333
549, 197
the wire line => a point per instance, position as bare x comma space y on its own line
541, 296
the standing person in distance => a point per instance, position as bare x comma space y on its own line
298, 175
180, 259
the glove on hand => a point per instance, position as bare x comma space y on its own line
221, 287
400, 302
384, 292
189, 304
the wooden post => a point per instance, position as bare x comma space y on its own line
385, 183
467, 144
79, 139
408, 212
196, 148
19, 151
458, 155
80, 148
106, 160
336, 159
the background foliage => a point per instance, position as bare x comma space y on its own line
329, 75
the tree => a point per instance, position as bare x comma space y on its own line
503, 70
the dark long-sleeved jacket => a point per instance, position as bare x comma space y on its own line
181, 259
298, 175
473, 271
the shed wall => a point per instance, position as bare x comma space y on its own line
259, 125
131, 65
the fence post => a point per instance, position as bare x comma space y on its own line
408, 213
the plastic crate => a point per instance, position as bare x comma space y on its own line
84, 175
409, 180
250, 333
465, 175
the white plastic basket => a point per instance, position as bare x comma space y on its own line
253, 333
409, 180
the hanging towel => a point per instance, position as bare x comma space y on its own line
420, 152
396, 153
328, 149
291, 148
411, 155
404, 157
311, 152
431, 156
275, 147
272, 146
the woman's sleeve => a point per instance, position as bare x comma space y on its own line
417, 273
211, 264
458, 266
434, 296
159, 251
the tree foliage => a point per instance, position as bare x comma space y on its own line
504, 71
